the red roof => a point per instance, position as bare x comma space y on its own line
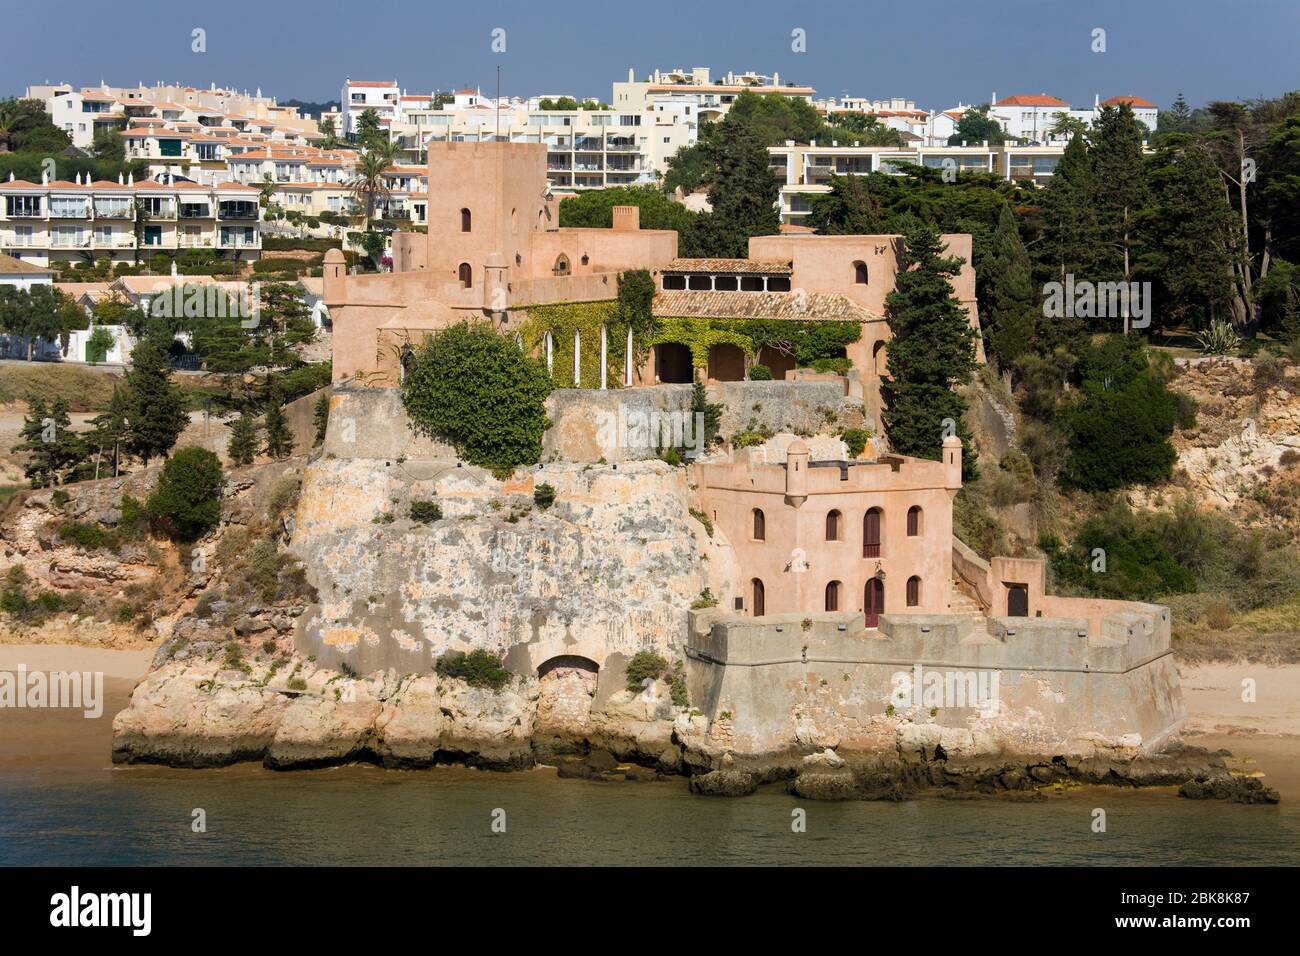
1031, 99
1130, 100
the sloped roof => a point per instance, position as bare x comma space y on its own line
1130, 100
758, 305
748, 266
1031, 99
10, 266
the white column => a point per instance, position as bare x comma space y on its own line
604, 358
627, 360
550, 352
577, 359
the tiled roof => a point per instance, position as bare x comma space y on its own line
780, 267
757, 305
1029, 99
1130, 100
10, 266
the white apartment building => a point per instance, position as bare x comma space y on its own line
82, 113
1031, 117
586, 149
58, 221
709, 100
382, 96
806, 171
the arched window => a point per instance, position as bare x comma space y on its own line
833, 596
464, 220
860, 272
561, 267
585, 259
871, 523
913, 591
758, 605
913, 521
832, 526
873, 601
760, 525
466, 275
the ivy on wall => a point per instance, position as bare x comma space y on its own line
813, 343
807, 340
585, 318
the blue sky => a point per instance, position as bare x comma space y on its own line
931, 51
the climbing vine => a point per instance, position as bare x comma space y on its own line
585, 318
809, 341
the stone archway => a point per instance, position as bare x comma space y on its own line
567, 687
726, 363
780, 363
673, 363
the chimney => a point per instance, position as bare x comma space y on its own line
627, 218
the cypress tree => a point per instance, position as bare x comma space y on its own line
743, 195
1121, 188
1009, 292
155, 404
242, 446
932, 350
279, 439
321, 418
1070, 230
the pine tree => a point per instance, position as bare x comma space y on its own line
111, 429
743, 195
51, 446
1070, 231
242, 446
1190, 234
155, 404
1009, 292
1121, 189
931, 351
279, 439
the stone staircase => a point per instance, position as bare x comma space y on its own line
962, 602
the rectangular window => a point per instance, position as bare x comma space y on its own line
65, 207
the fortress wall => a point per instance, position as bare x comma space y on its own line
371, 423
812, 684
797, 406
589, 424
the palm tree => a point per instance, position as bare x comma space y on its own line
369, 182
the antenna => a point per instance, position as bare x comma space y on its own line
498, 103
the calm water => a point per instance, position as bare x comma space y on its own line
366, 815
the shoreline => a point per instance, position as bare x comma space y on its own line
1263, 735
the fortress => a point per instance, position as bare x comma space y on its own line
795, 580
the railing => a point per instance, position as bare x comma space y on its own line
871, 550
202, 212
250, 213
114, 213
26, 214
75, 242
119, 242
193, 243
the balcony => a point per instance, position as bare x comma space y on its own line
237, 210
127, 213
115, 242
69, 242
195, 212
615, 146
26, 212
194, 242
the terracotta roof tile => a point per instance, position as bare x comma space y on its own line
1030, 99
750, 266
758, 305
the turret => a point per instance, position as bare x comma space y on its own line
952, 451
333, 272
796, 473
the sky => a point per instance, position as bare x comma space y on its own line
934, 52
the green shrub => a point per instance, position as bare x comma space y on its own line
644, 664
856, 440
760, 373
89, 535
135, 519
837, 364
264, 569
478, 668
187, 501
475, 387
424, 512
544, 495
60, 498
747, 439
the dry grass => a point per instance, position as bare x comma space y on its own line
1267, 635
85, 390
